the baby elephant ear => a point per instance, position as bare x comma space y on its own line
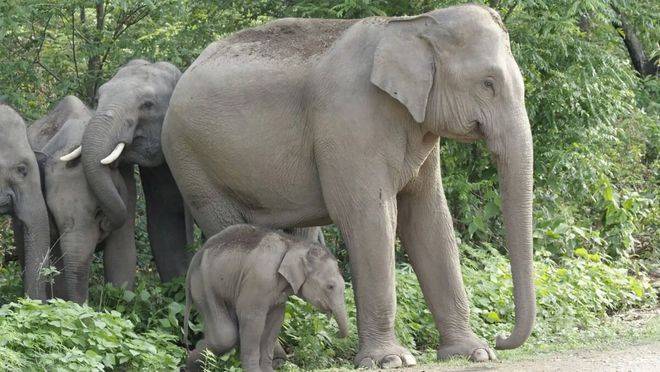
292, 269
403, 64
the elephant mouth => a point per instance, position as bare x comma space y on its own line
469, 133
6, 204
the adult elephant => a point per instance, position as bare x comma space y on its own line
40, 133
74, 210
303, 122
21, 197
125, 130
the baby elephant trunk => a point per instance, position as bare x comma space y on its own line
339, 312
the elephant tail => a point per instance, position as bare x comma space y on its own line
194, 266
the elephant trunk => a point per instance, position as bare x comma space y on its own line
101, 139
513, 154
30, 209
78, 252
339, 312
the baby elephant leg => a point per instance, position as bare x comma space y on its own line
220, 336
269, 338
251, 325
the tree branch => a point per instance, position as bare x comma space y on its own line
49, 71
73, 41
37, 57
640, 62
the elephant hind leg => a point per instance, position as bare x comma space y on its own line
314, 234
212, 210
220, 333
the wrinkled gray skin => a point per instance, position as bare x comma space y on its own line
77, 217
43, 130
304, 122
39, 134
240, 281
21, 197
131, 108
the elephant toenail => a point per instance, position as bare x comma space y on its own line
409, 360
391, 361
479, 355
367, 363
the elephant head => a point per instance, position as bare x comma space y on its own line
126, 128
313, 274
21, 196
453, 72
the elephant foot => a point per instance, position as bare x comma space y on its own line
473, 348
278, 362
279, 356
394, 356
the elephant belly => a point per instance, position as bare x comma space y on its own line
252, 144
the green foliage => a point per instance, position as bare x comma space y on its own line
596, 128
73, 337
11, 286
572, 295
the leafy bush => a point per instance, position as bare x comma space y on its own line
574, 294
71, 337
596, 128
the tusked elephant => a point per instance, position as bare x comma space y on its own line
125, 130
74, 212
21, 197
304, 122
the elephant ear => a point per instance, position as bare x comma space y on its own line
403, 64
292, 268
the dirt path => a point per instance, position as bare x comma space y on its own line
641, 357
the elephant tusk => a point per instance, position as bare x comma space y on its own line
72, 155
114, 155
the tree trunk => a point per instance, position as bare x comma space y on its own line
95, 64
638, 58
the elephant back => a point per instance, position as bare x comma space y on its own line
290, 40
42, 130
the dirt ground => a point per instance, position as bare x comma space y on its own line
642, 357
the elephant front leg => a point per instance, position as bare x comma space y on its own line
166, 222
251, 327
120, 257
269, 339
120, 254
425, 229
368, 224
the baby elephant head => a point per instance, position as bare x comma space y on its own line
314, 275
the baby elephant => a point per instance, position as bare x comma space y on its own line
240, 281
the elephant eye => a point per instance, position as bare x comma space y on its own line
147, 105
331, 287
489, 84
22, 169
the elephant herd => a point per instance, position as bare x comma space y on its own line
80, 213
290, 125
